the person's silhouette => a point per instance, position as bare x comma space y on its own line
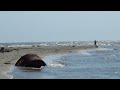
95, 42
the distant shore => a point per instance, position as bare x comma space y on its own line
9, 58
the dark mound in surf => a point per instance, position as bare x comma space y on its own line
96, 46
3, 49
30, 60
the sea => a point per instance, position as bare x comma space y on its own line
98, 63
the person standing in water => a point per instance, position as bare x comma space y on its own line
95, 43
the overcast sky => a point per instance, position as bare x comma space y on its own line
43, 26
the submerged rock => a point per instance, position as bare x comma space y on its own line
96, 46
30, 60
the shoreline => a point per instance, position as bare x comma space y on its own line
8, 59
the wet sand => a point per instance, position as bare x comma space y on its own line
8, 59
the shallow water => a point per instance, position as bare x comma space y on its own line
99, 63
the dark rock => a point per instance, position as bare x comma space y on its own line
30, 60
96, 46
2, 49
73, 45
7, 62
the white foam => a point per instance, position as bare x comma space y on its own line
116, 72
54, 60
104, 49
7, 73
51, 58
85, 53
20, 45
55, 64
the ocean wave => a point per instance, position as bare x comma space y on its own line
85, 53
104, 49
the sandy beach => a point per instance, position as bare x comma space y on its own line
8, 59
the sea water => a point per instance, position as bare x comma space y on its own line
99, 63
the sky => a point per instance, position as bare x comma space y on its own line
47, 26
